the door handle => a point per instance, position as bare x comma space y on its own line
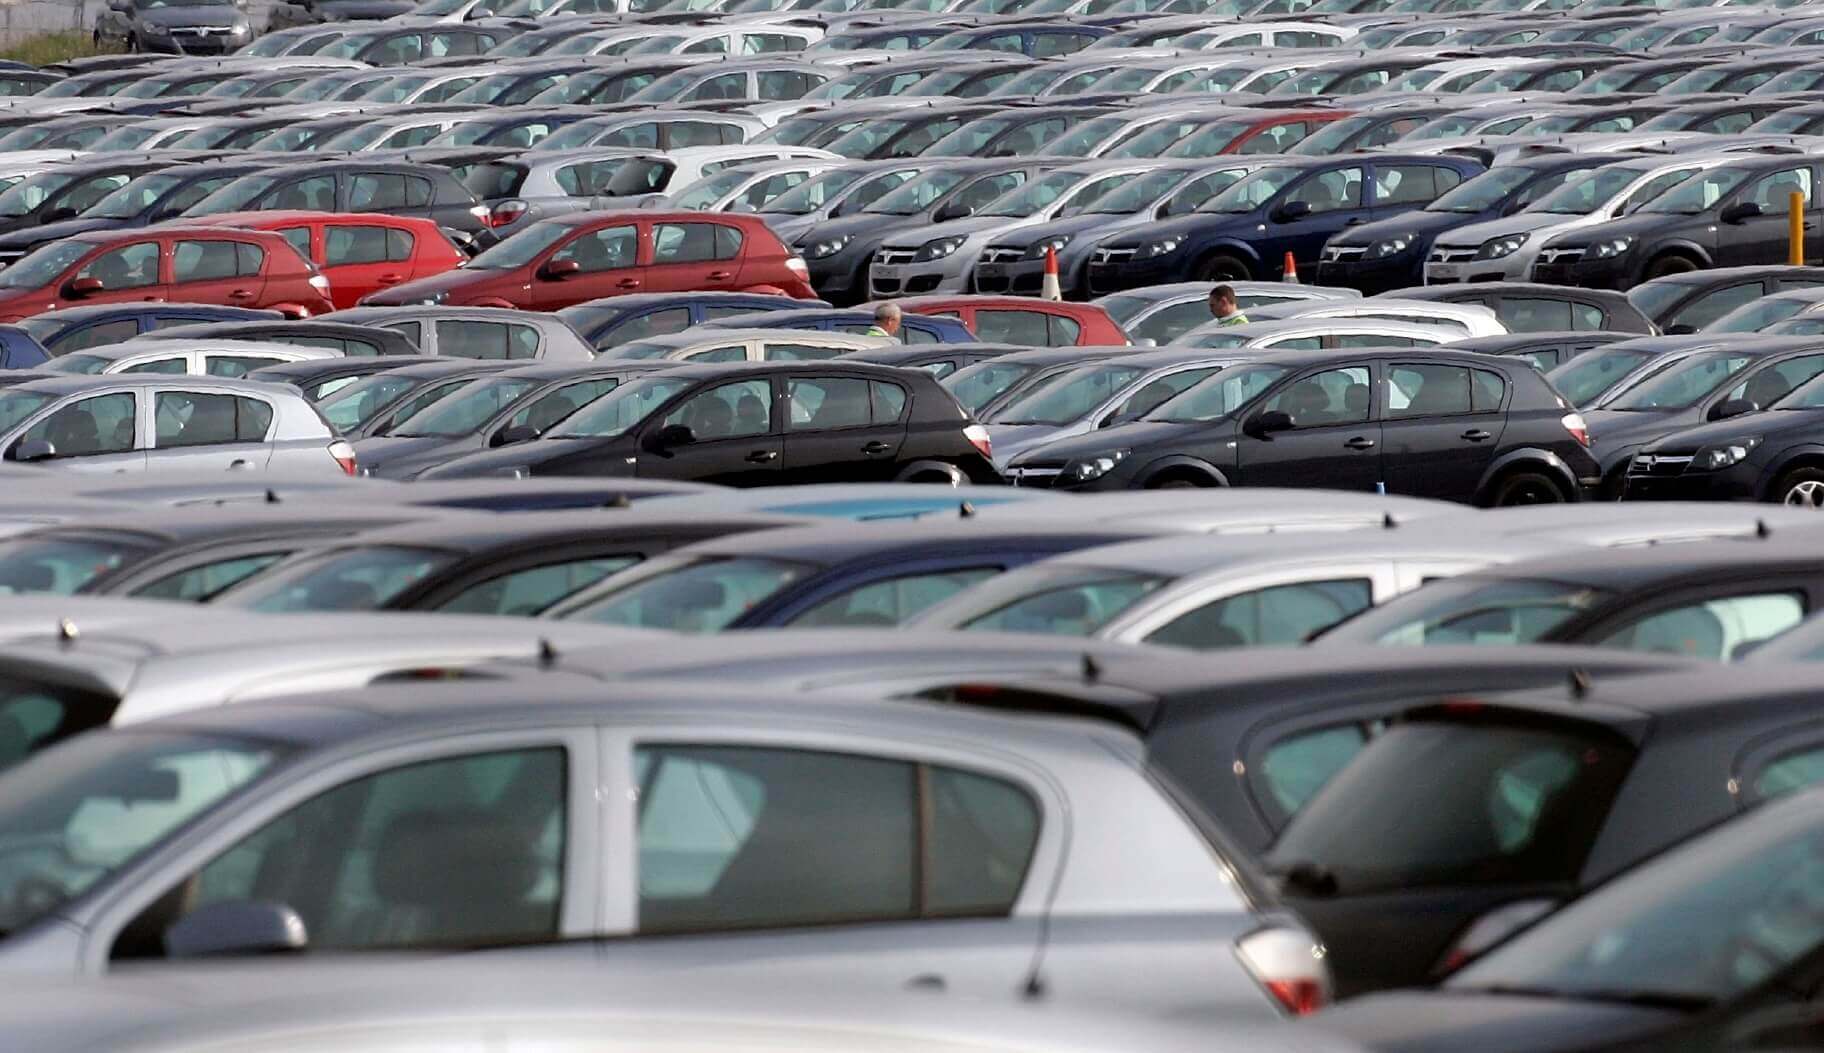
241, 294
390, 279
627, 283
763, 456
877, 447
1476, 435
1360, 442
719, 275
926, 982
238, 463
1356, 222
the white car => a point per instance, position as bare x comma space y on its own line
1463, 319
1312, 334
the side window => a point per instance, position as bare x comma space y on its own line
1005, 42
1373, 340
486, 340
736, 353
1062, 331
1793, 770
1294, 768
237, 365
200, 584
187, 418
461, 852
103, 424
190, 195
376, 192
728, 242
399, 245
170, 366
750, 837
684, 242
1654, 187
652, 323
774, 351
984, 190
1028, 328
202, 261
827, 403
413, 331
527, 593
1335, 396
1051, 44
693, 133
1770, 384
298, 238
912, 334
1714, 629
645, 136
728, 86
1771, 191
1713, 305
889, 401
1275, 139
1280, 615
892, 601
346, 245
248, 259
584, 179
1529, 314
1490, 388
1586, 317
417, 192
1330, 191
727, 411
611, 248
97, 335
128, 267
316, 194
1411, 184
1427, 391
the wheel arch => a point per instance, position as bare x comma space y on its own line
1528, 459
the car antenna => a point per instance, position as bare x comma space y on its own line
272, 496
965, 511
1580, 684
547, 654
67, 633
1762, 530
1092, 670
1388, 522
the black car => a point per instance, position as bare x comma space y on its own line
1733, 376
189, 27
66, 191
378, 403
1544, 794
319, 378
1526, 307
551, 494
1730, 216
1462, 427
426, 191
1545, 350
354, 341
1776, 455
1390, 253
623, 319
758, 424
1686, 303
151, 198
939, 360
513, 406
75, 328
517, 566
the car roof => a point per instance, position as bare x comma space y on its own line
482, 532
71, 384
1622, 569
834, 542
185, 524
1183, 555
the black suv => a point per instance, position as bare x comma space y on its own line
759, 424
1445, 424
1729, 216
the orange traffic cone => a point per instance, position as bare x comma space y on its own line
1291, 271
1051, 289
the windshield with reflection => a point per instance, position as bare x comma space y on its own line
621, 410
1681, 385
466, 411
1219, 396
1252, 192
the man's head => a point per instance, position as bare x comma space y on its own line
887, 317
1222, 301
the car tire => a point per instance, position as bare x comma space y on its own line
1177, 480
1670, 264
1801, 487
1223, 268
1525, 488
132, 43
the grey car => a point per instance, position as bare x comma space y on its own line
890, 843
184, 27
135, 422
477, 332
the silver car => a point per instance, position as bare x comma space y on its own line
841, 191
214, 358
1159, 314
134, 422
478, 332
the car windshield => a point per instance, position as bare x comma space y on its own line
1589, 375
44, 266
1074, 601
16, 407
1681, 385
866, 138
1219, 396
135, 197
689, 595
1484, 191
1211, 139
1035, 195
81, 811
350, 579
978, 385
361, 401
25, 196
62, 564
704, 193
465, 411
1584, 195
1753, 317
1135, 193
915, 196
1067, 398
620, 410
1252, 192
522, 248
1078, 141
235, 196
1699, 193
1472, 611
1501, 803
814, 193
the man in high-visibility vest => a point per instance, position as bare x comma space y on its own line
886, 321
1224, 307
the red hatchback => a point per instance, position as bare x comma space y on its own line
361, 252
588, 255
1023, 320
233, 268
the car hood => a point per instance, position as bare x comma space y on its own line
192, 16
1195, 223
1804, 422
1639, 223
452, 282
789, 228
913, 237
1105, 223
1519, 223
1418, 222
1012, 440
525, 455
1448, 1021
28, 237
862, 225
1134, 435
380, 453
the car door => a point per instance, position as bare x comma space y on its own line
726, 433
1334, 198
98, 433
694, 255
1762, 238
1440, 427
842, 429
359, 259
209, 431
217, 270
129, 272
607, 263
1334, 441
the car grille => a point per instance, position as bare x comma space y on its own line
1658, 464
1039, 478
1560, 255
895, 257
202, 31
1341, 253
1113, 255
1444, 254
1002, 254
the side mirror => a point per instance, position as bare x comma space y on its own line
671, 436
1732, 408
1267, 422
1681, 329
1741, 212
516, 434
558, 270
1291, 212
239, 928
81, 287
952, 211
34, 450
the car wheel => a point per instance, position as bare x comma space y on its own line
1176, 481
132, 44
1526, 488
1224, 268
1665, 265
1801, 487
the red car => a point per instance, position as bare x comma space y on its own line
233, 268
360, 253
585, 256
1023, 319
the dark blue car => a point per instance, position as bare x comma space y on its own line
18, 350
1244, 232
76, 328
615, 320
914, 328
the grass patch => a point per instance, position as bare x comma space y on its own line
55, 47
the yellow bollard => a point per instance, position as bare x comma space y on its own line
1795, 229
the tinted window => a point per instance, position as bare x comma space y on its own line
96, 335
1279, 615
526, 593
197, 261
201, 583
316, 194
194, 419
298, 238
1013, 327
1427, 391
727, 411
103, 424
237, 365
345, 245
1707, 308
889, 401
1330, 191
1336, 396
486, 340
607, 249
1070, 608
825, 403
1489, 389
892, 601
652, 323
691, 243
1714, 629
376, 192
1411, 184
169, 366
128, 267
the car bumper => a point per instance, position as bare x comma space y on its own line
1507, 269
1590, 274
1694, 486
1369, 276
1104, 278
913, 279
204, 45
1018, 278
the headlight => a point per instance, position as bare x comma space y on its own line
1162, 247
824, 249
1724, 454
242, 29
153, 29
937, 250
1609, 248
1087, 468
1037, 252
1495, 248
1390, 247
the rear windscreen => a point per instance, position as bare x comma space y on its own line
491, 179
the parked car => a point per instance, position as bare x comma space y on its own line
939, 360
1765, 455
1689, 302
477, 332
1527, 307
1023, 320
215, 358
719, 344
151, 198
359, 253
319, 378
354, 341
394, 188
1545, 349
913, 328
1160, 314
74, 328
616, 320
378, 403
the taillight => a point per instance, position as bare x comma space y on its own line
1492, 928
504, 214
344, 455
796, 266
319, 283
1573, 423
980, 439
480, 212
1289, 965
